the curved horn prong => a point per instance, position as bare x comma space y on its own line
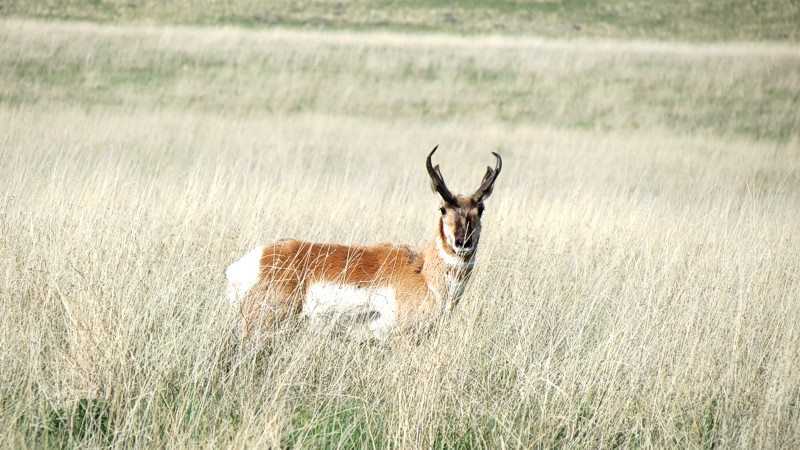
487, 184
437, 182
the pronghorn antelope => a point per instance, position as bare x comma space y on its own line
384, 288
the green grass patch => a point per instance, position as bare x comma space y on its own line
699, 20
752, 95
345, 424
88, 418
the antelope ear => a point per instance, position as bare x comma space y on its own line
437, 181
436, 184
487, 184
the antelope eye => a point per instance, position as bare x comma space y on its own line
480, 210
442, 210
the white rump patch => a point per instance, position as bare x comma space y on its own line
243, 275
332, 302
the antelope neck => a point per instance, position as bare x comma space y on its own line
451, 260
444, 265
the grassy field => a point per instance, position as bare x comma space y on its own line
638, 282
696, 20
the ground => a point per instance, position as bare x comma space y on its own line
638, 279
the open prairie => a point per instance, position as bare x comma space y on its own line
638, 281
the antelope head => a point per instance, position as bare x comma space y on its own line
460, 215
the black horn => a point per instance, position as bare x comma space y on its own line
488, 180
437, 182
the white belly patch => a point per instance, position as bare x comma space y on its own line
376, 307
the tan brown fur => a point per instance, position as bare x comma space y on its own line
290, 266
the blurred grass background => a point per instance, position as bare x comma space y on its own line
694, 20
745, 89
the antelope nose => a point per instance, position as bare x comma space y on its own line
461, 242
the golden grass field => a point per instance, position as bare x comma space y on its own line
637, 285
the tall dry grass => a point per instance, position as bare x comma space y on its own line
636, 285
